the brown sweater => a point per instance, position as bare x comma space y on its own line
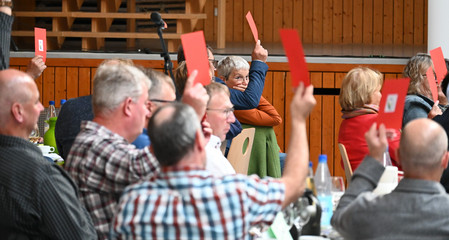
264, 115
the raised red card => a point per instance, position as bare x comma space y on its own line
438, 63
432, 83
40, 42
391, 108
252, 25
295, 54
195, 52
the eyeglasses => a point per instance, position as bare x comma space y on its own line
213, 62
162, 101
226, 111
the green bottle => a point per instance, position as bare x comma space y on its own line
49, 136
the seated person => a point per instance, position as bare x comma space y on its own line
264, 161
184, 201
418, 207
359, 100
38, 199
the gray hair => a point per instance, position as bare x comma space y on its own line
172, 130
114, 83
158, 79
415, 69
228, 64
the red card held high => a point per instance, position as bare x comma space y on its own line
295, 54
40, 42
252, 25
438, 63
195, 52
432, 84
391, 106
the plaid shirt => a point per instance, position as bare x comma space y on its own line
192, 204
102, 164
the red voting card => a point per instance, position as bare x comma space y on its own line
252, 25
195, 52
295, 54
40, 42
432, 83
438, 63
391, 106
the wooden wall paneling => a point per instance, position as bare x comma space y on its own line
287, 14
298, 6
287, 117
307, 32
327, 21
209, 24
247, 35
398, 22
267, 21
378, 17
277, 20
93, 71
337, 22
278, 102
72, 82
357, 21
408, 22
390, 76
347, 21
268, 87
316, 120
388, 22
317, 21
327, 123
259, 18
84, 81
238, 20
229, 20
368, 21
39, 82
48, 86
338, 169
60, 85
425, 22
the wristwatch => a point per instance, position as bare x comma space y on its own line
6, 3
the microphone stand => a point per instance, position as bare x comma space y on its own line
168, 65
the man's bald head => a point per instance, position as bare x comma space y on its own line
12, 89
423, 145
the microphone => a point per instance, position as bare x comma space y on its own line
157, 19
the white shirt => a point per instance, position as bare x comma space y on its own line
216, 163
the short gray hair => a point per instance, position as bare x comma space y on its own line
228, 64
114, 83
158, 79
173, 134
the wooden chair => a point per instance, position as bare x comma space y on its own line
239, 155
346, 164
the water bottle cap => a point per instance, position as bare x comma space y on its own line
52, 102
322, 158
310, 164
63, 101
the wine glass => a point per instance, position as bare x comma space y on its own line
34, 135
337, 191
297, 213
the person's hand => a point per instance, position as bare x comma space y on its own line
434, 111
302, 103
195, 95
36, 66
259, 53
377, 141
207, 130
241, 87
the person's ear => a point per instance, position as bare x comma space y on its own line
444, 160
199, 141
127, 106
18, 111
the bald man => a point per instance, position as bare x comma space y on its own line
418, 208
38, 199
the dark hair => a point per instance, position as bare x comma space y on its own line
173, 135
181, 57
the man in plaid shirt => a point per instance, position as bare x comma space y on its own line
184, 201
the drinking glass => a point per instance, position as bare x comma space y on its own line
34, 135
337, 190
297, 213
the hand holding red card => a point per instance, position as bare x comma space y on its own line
432, 83
195, 52
295, 54
252, 25
40, 42
438, 63
391, 108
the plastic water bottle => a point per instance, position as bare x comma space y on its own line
51, 112
323, 184
60, 106
387, 158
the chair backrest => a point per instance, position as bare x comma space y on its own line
346, 164
239, 154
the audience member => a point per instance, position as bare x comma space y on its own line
418, 207
6, 21
219, 113
38, 199
359, 100
419, 103
234, 71
184, 201
102, 161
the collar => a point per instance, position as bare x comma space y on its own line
420, 186
214, 142
181, 169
